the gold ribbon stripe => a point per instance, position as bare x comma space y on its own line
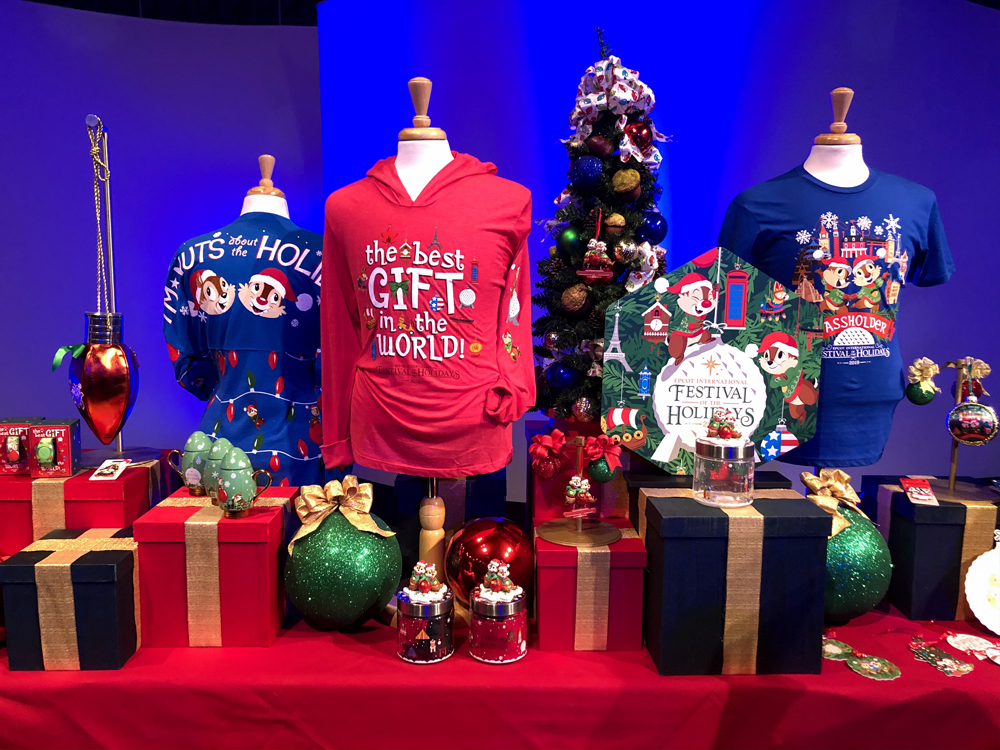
48, 505
743, 571
54, 584
593, 595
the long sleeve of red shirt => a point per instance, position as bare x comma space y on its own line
426, 346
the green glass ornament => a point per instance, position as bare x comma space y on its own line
921, 393
600, 472
858, 569
569, 241
339, 577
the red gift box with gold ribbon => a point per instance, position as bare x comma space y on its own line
590, 599
206, 580
31, 508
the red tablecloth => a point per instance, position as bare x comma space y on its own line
321, 690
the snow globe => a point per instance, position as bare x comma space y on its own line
425, 617
498, 630
723, 464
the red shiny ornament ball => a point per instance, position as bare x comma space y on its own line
640, 133
977, 388
424, 587
481, 540
545, 468
725, 432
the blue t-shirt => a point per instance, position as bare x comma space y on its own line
851, 250
241, 320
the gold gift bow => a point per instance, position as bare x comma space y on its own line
923, 370
828, 490
350, 497
977, 371
201, 571
54, 587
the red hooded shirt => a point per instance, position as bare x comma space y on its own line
426, 321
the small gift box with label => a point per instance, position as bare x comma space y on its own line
14, 444
71, 601
31, 508
54, 448
933, 545
735, 590
590, 598
208, 580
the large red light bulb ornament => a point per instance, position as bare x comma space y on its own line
104, 371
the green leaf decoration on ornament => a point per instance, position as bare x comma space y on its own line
251, 380
75, 350
258, 441
291, 413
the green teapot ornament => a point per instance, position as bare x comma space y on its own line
193, 462
213, 467
237, 484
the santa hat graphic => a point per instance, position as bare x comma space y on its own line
781, 341
197, 279
837, 263
689, 283
858, 262
276, 278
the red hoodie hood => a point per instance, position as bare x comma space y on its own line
462, 166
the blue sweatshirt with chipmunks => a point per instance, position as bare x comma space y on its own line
241, 321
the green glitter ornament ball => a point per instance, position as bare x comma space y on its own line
920, 393
599, 471
858, 569
339, 577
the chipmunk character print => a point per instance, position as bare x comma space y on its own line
836, 276
696, 298
210, 292
868, 280
265, 294
780, 359
508, 345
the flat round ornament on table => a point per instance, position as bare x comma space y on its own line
982, 589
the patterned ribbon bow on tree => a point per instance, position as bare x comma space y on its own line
350, 497
603, 447
828, 490
547, 446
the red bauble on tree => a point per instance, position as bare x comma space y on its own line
482, 540
640, 134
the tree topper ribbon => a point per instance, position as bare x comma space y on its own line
547, 446
603, 447
607, 86
828, 490
350, 497
923, 370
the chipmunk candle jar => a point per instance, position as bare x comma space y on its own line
425, 617
498, 631
723, 464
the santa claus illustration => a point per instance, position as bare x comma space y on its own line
265, 293
696, 297
780, 359
210, 292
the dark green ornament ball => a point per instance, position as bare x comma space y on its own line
920, 393
569, 241
858, 569
339, 577
600, 472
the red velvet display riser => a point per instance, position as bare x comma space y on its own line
112, 504
251, 595
556, 593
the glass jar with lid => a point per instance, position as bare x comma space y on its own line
723, 472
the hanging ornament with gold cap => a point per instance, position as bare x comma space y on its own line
104, 371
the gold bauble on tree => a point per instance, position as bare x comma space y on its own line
614, 225
575, 299
626, 252
583, 410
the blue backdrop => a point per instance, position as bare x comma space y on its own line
742, 86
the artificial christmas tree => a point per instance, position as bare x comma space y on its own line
606, 232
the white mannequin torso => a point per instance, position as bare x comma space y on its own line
840, 166
268, 204
418, 161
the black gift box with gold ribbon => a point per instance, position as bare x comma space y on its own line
735, 591
70, 601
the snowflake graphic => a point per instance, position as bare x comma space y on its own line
879, 229
891, 224
864, 223
829, 220
201, 316
184, 310
803, 237
295, 322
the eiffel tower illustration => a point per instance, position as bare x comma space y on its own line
614, 348
435, 242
